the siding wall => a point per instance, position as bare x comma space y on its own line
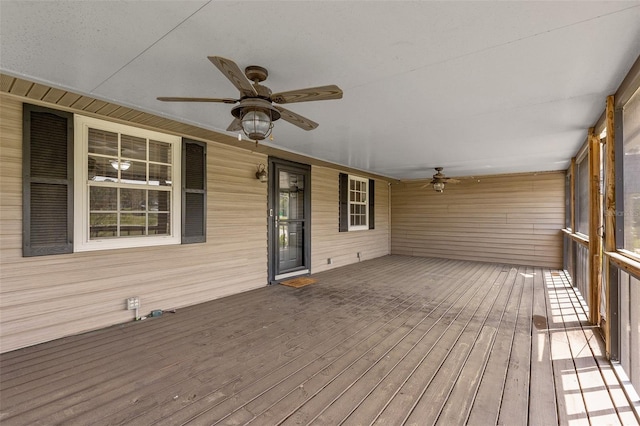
512, 219
47, 297
343, 247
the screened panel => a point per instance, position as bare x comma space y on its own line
631, 174
582, 196
567, 201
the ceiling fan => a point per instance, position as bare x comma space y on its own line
256, 112
439, 179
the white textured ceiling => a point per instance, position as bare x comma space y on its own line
476, 87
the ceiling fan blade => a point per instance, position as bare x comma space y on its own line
321, 93
451, 180
296, 119
235, 125
179, 99
231, 70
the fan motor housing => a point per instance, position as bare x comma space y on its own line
255, 104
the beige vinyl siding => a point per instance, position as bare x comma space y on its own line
42, 298
47, 297
343, 247
513, 219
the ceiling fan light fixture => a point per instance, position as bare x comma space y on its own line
256, 124
438, 186
257, 117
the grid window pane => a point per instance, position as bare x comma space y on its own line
103, 225
158, 201
100, 169
125, 174
159, 175
103, 142
133, 147
159, 152
159, 224
133, 224
101, 198
133, 199
136, 173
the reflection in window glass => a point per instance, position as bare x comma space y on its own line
631, 173
135, 172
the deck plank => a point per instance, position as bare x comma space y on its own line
542, 405
486, 405
390, 340
336, 400
516, 388
442, 361
458, 405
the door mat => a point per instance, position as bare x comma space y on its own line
299, 282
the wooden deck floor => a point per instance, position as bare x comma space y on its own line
395, 340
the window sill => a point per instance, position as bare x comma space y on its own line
124, 243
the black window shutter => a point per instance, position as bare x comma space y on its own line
194, 192
47, 181
372, 204
344, 202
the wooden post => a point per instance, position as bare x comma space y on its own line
610, 177
595, 221
609, 210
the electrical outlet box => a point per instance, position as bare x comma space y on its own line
133, 303
329, 261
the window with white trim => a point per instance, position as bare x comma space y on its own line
127, 186
356, 207
358, 203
